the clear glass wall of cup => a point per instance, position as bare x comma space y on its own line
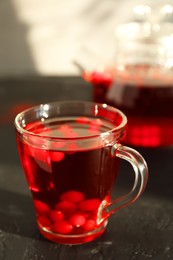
70, 152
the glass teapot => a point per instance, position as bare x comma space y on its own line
139, 78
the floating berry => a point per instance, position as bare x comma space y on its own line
89, 205
56, 215
44, 221
72, 148
56, 156
77, 220
72, 196
58, 144
41, 207
96, 122
66, 207
94, 127
64, 128
63, 227
41, 155
83, 120
42, 159
89, 225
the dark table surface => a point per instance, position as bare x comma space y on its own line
143, 230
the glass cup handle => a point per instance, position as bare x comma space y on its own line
141, 176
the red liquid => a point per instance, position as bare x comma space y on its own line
70, 182
148, 106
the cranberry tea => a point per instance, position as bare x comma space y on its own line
70, 152
68, 183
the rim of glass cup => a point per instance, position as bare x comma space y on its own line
19, 117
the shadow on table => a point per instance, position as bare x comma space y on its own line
17, 214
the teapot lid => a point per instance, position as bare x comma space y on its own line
147, 29
147, 20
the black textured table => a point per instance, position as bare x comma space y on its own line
143, 230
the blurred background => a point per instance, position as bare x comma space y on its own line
41, 37
52, 50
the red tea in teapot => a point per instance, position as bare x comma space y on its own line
145, 95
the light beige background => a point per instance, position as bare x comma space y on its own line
42, 36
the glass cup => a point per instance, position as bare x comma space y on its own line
70, 152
